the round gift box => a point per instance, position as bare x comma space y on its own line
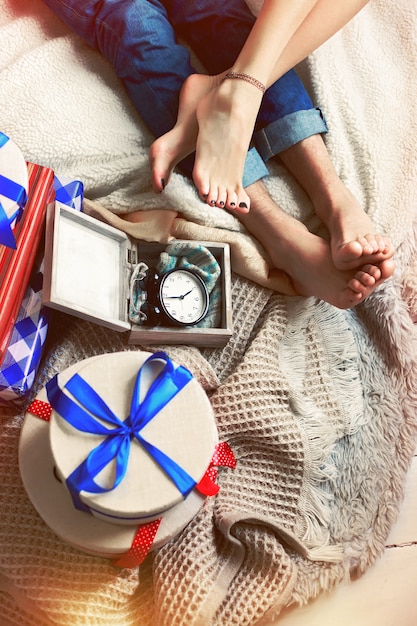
104, 534
13, 167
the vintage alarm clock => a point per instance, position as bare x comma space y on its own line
178, 297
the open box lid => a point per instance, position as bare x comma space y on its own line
88, 265
87, 268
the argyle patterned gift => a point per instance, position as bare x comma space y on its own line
13, 190
18, 370
16, 265
69, 192
24, 351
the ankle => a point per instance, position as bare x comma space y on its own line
267, 221
330, 198
237, 95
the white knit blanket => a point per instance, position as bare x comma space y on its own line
318, 405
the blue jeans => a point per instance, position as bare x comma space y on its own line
140, 39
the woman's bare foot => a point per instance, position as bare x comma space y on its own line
169, 149
226, 118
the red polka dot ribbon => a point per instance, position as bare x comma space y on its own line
141, 545
41, 409
223, 457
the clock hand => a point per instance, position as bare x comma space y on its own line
186, 294
179, 297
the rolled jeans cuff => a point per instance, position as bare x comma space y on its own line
255, 168
289, 130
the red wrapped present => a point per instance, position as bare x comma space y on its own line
16, 264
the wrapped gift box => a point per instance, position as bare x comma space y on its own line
24, 351
68, 192
88, 265
183, 429
13, 191
165, 452
16, 264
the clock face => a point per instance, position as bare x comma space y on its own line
184, 296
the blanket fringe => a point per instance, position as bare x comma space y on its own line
320, 472
330, 554
343, 367
319, 337
328, 330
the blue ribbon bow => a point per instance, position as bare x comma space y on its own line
15, 192
116, 446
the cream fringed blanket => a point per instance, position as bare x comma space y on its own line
322, 428
319, 405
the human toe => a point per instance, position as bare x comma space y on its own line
365, 279
369, 244
370, 271
221, 198
203, 187
160, 177
231, 200
211, 199
385, 245
347, 252
386, 268
243, 202
213, 196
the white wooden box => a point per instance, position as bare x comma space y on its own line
87, 270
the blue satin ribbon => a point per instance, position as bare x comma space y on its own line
15, 192
116, 446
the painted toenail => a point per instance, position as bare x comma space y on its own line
233, 204
221, 203
243, 205
163, 183
213, 202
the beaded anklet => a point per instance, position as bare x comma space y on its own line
249, 79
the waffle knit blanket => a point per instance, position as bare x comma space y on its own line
318, 405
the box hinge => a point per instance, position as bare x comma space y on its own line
132, 258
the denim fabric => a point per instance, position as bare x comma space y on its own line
140, 39
280, 135
255, 168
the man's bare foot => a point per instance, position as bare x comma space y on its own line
226, 118
354, 241
307, 258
